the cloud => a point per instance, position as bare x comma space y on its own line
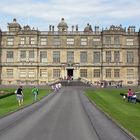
75, 12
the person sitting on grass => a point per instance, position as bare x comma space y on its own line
19, 94
129, 95
134, 98
35, 93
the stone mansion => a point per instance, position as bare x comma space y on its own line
30, 56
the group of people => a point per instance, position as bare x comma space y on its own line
131, 96
56, 86
20, 95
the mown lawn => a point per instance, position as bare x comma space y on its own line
111, 102
10, 104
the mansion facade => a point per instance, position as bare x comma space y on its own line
30, 56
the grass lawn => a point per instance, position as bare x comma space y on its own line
110, 101
10, 104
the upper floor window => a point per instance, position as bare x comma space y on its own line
108, 40
23, 54
70, 56
116, 40
31, 54
56, 41
22, 40
56, 56
43, 56
10, 54
83, 41
130, 57
108, 56
43, 41
96, 57
70, 41
10, 41
83, 57
129, 42
32, 40
96, 41
116, 56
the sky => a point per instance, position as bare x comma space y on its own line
42, 13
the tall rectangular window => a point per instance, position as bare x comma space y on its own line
56, 73
130, 57
108, 73
108, 56
32, 40
83, 41
23, 54
83, 73
22, 40
116, 40
10, 41
96, 73
43, 41
9, 73
116, 56
56, 56
116, 73
83, 57
10, 56
43, 56
96, 57
108, 40
31, 54
70, 56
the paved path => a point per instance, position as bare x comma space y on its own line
66, 115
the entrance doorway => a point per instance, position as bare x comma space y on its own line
70, 73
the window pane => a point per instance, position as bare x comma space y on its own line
96, 57
83, 57
70, 57
83, 73
56, 57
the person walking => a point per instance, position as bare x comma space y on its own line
35, 93
19, 94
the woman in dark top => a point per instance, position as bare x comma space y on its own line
19, 94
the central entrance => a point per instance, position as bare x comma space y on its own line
70, 73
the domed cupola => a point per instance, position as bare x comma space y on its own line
62, 26
14, 26
88, 28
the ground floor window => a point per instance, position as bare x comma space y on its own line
83, 73
56, 73
96, 73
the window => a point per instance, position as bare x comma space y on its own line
10, 41
129, 42
23, 54
108, 40
108, 56
10, 56
70, 41
130, 73
116, 73
116, 56
83, 73
32, 40
22, 73
56, 73
56, 41
56, 56
116, 40
130, 57
83, 57
43, 73
31, 73
9, 73
22, 40
96, 41
70, 56
31, 54
43, 56
96, 57
43, 41
96, 73
108, 73
83, 41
